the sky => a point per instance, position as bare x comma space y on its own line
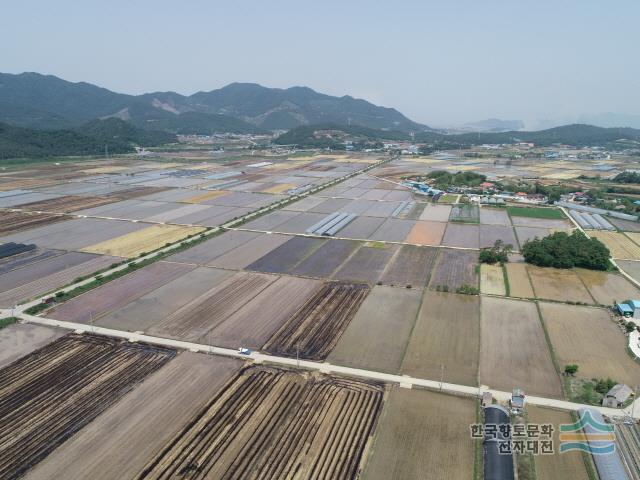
438, 62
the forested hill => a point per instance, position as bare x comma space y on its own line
90, 139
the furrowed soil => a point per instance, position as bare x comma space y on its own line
18, 340
367, 264
54, 392
377, 337
455, 268
619, 244
324, 261
423, 435
559, 465
316, 327
287, 255
411, 266
446, 334
68, 203
121, 441
11, 222
589, 338
492, 279
274, 424
505, 358
558, 284
426, 233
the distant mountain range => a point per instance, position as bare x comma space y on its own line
40, 101
494, 125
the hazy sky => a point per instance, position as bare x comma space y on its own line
439, 62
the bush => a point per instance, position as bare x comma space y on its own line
570, 369
468, 290
498, 253
561, 250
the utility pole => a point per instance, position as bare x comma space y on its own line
633, 404
298, 354
441, 375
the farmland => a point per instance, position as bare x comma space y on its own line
607, 288
67, 204
367, 264
423, 435
315, 328
19, 340
411, 266
598, 356
35, 405
426, 233
519, 284
505, 361
445, 339
258, 425
465, 212
11, 222
536, 212
619, 244
377, 336
558, 284
120, 442
492, 279
454, 269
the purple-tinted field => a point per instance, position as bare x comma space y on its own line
490, 233
324, 261
249, 252
411, 266
454, 269
287, 255
460, 235
367, 264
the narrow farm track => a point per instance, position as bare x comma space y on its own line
316, 327
275, 424
52, 393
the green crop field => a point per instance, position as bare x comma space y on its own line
536, 212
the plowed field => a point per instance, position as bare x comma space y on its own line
11, 222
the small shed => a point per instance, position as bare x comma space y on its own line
487, 399
617, 396
624, 309
517, 400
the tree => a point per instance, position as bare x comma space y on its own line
561, 250
499, 253
570, 369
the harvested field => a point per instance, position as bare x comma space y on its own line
631, 268
51, 282
607, 288
325, 260
150, 309
529, 233
258, 320
619, 244
330, 205
494, 216
393, 230
411, 266
361, 228
18, 340
558, 284
454, 269
14, 262
426, 233
559, 465
489, 234
114, 295
250, 251
316, 327
304, 204
589, 338
512, 340
205, 252
301, 222
446, 333
422, 435
377, 336
120, 442
367, 264
68, 203
436, 213
465, 212
52, 393
273, 424
194, 320
287, 256
151, 238
519, 284
461, 235
203, 197
380, 209
492, 279
11, 222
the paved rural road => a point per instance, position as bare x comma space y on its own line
403, 380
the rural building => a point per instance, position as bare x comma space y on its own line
629, 309
517, 400
617, 396
497, 465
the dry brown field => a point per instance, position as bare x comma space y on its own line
426, 233
619, 244
410, 266
446, 334
120, 442
519, 284
151, 238
558, 284
492, 279
436, 213
68, 203
422, 435
377, 336
12, 222
37, 412
18, 340
607, 288
512, 341
630, 268
316, 327
454, 269
273, 424
567, 465
589, 338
